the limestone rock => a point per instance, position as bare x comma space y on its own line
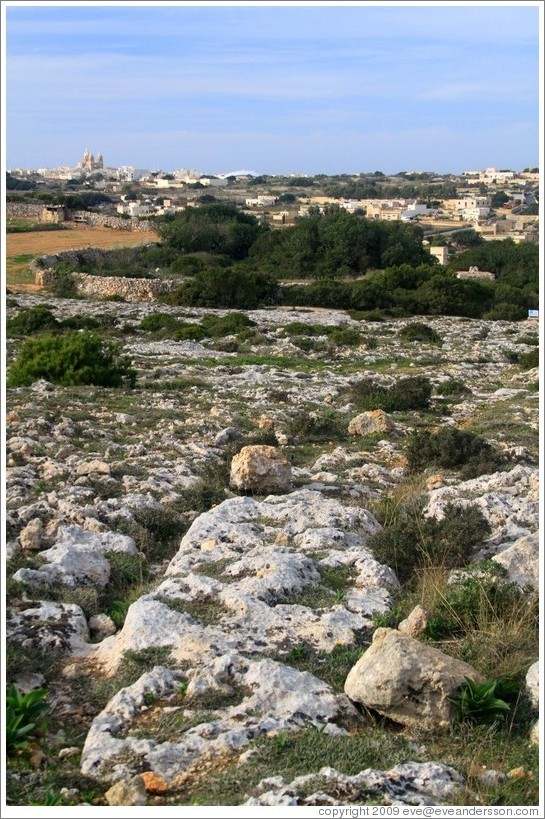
31, 536
415, 623
407, 681
127, 792
410, 783
521, 561
49, 626
260, 469
508, 500
102, 626
93, 468
435, 482
532, 684
369, 422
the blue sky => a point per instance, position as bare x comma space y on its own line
277, 89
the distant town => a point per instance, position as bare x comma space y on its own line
496, 203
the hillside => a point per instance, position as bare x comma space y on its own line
193, 611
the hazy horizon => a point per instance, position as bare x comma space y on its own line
274, 89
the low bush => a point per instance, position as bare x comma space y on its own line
479, 597
527, 361
71, 359
156, 322
344, 337
453, 387
32, 320
64, 285
413, 542
405, 394
311, 426
452, 448
230, 324
417, 331
300, 328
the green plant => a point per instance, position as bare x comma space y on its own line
22, 715
50, 799
345, 337
412, 542
478, 703
71, 359
452, 448
454, 387
417, 331
406, 394
307, 426
32, 320
64, 284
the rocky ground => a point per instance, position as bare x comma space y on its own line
194, 611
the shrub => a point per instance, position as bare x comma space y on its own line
300, 328
527, 361
344, 337
453, 387
71, 359
307, 426
32, 320
417, 331
156, 322
405, 394
413, 542
452, 448
80, 322
158, 531
64, 285
230, 324
481, 596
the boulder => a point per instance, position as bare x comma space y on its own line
260, 469
415, 623
93, 468
369, 422
127, 792
407, 681
31, 536
521, 561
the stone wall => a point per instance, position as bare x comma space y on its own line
24, 209
35, 211
100, 287
115, 222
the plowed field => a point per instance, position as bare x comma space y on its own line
22, 247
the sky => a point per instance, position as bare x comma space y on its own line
274, 88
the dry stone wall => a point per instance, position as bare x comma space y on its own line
35, 211
130, 289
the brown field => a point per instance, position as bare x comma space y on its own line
22, 247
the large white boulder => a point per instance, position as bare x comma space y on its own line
407, 681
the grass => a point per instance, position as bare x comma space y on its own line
332, 667
206, 610
294, 754
335, 581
